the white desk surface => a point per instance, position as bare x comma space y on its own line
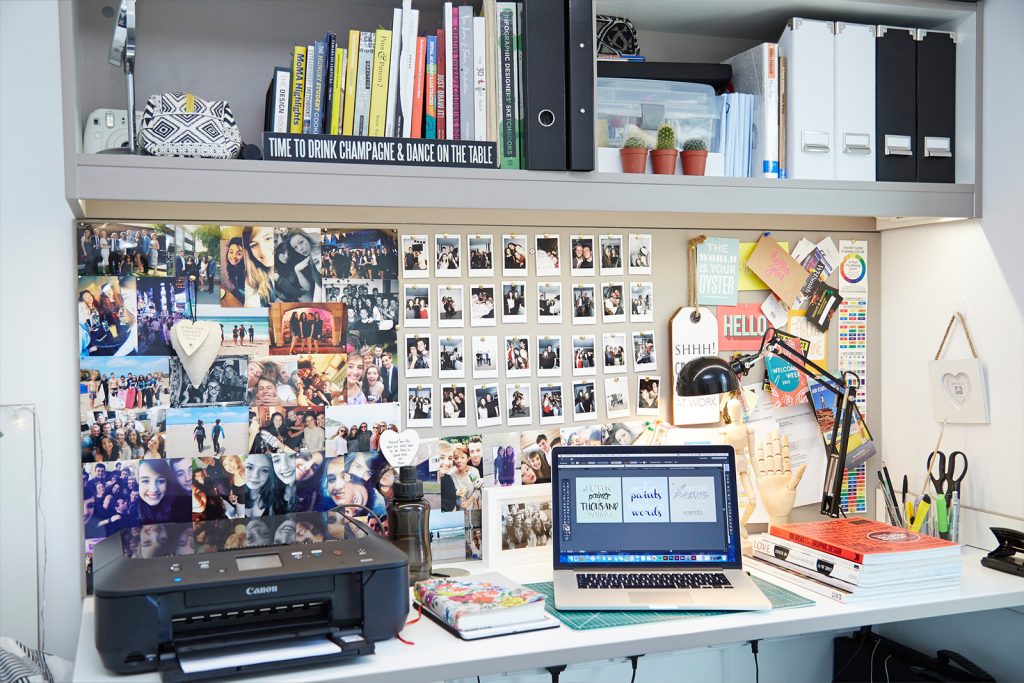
438, 655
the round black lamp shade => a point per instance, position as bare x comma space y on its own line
706, 375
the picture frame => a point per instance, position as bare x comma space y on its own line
496, 511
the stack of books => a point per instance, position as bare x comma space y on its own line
482, 606
856, 559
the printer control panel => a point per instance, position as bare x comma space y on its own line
183, 568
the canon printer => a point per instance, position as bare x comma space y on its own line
243, 595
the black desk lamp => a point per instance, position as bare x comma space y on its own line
708, 375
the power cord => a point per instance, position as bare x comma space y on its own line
556, 671
757, 667
632, 661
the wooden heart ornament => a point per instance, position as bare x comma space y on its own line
957, 387
399, 449
196, 344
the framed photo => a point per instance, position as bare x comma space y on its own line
451, 357
420, 405
485, 357
549, 356
549, 303
582, 255
451, 300
616, 397
518, 398
453, 405
648, 395
481, 255
549, 402
583, 358
644, 352
641, 302
448, 255
487, 405
584, 397
640, 254
417, 355
583, 304
416, 298
481, 306
548, 255
513, 302
517, 524
514, 254
611, 254
613, 309
415, 256
614, 352
517, 356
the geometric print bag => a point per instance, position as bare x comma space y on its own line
183, 125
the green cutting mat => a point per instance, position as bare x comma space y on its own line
583, 621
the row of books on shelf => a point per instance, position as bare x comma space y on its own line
464, 80
855, 559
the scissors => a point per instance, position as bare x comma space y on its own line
949, 479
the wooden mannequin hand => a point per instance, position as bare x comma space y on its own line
776, 479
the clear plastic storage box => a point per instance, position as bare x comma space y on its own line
691, 108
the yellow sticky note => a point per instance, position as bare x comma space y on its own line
749, 281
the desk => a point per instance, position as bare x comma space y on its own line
437, 655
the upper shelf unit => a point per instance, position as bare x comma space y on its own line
227, 50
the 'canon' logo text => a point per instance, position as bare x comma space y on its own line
260, 590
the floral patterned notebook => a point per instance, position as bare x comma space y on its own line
470, 602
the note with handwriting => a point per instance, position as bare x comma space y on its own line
777, 269
598, 499
645, 499
692, 499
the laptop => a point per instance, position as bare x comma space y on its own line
648, 528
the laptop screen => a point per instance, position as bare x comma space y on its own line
648, 506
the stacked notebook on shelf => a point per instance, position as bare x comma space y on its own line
482, 606
857, 559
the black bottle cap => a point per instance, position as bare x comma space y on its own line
408, 486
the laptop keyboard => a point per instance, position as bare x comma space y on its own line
672, 580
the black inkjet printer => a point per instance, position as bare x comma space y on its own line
235, 596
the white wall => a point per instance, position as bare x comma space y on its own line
38, 336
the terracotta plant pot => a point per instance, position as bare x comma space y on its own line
694, 161
634, 159
664, 161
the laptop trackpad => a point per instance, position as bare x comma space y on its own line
666, 598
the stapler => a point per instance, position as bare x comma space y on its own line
1007, 557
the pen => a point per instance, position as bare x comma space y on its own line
903, 498
921, 513
890, 510
941, 517
954, 518
887, 484
910, 513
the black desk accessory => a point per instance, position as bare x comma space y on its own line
1009, 555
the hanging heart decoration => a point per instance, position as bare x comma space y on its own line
399, 449
197, 344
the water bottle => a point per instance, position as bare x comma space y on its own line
409, 523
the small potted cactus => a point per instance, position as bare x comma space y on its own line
663, 158
694, 156
634, 155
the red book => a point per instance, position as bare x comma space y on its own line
442, 115
417, 86
864, 540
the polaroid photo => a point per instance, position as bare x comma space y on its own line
415, 256
584, 306
481, 306
419, 405
359, 254
614, 352
549, 303
517, 356
611, 254
417, 355
644, 352
308, 328
481, 255
648, 395
616, 397
549, 356
641, 302
582, 436
107, 307
514, 254
517, 398
640, 254
513, 302
224, 384
451, 357
548, 255
584, 362
488, 405
549, 402
451, 301
621, 433
584, 400
416, 305
613, 307
485, 357
448, 255
298, 277
453, 405
582, 255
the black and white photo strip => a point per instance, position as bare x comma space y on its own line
417, 355
517, 356
481, 255
451, 357
481, 306
453, 405
415, 256
613, 309
611, 254
640, 254
518, 398
549, 356
420, 405
515, 249
584, 360
548, 255
452, 305
584, 308
549, 398
488, 405
417, 305
584, 399
648, 395
513, 302
641, 302
644, 352
485, 357
615, 352
549, 303
582, 255
448, 250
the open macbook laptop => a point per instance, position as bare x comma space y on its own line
648, 527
